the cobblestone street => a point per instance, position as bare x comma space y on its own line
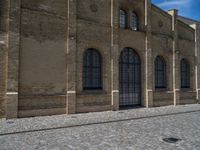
138, 129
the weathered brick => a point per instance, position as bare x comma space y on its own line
46, 45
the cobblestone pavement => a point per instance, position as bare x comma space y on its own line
138, 129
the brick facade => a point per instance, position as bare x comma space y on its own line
4, 25
42, 58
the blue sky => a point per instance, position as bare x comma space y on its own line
187, 8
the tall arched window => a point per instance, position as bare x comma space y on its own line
129, 78
160, 73
123, 19
134, 21
185, 74
92, 70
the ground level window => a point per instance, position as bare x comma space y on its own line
129, 78
185, 74
92, 70
160, 73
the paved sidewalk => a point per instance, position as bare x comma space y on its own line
60, 121
140, 129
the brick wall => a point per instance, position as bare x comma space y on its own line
4, 12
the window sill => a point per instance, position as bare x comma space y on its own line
88, 92
186, 90
161, 90
129, 29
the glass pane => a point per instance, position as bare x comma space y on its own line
160, 73
123, 18
92, 70
185, 74
134, 21
130, 78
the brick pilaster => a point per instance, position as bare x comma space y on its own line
197, 55
176, 61
71, 58
148, 57
114, 56
13, 59
4, 26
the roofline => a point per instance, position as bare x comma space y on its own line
193, 20
190, 19
186, 24
160, 9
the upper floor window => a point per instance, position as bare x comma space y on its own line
160, 73
134, 22
92, 70
123, 19
185, 74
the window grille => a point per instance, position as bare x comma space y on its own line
92, 70
123, 19
185, 74
160, 73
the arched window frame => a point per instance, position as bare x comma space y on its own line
92, 70
185, 74
134, 23
160, 73
123, 19
129, 77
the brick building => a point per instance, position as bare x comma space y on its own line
74, 56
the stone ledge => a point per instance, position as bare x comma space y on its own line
41, 112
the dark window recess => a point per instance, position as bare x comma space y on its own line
185, 74
92, 70
129, 78
134, 21
160, 73
123, 19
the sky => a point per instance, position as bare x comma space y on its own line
187, 8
